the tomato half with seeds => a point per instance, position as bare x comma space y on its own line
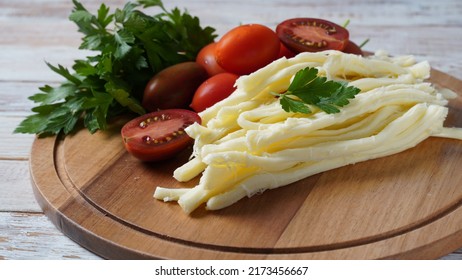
158, 135
312, 35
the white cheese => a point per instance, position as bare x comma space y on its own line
247, 143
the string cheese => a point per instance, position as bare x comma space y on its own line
247, 143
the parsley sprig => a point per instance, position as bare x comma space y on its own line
307, 88
130, 47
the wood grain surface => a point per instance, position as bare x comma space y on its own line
35, 31
392, 207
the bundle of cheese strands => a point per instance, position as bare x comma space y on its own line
247, 143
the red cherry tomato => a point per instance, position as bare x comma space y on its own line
206, 58
352, 48
312, 35
285, 52
247, 48
159, 135
213, 90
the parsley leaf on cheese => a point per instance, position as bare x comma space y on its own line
307, 88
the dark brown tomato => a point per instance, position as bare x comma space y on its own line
158, 135
312, 35
173, 87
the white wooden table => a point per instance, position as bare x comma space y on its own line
35, 31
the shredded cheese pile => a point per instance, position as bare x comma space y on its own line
247, 143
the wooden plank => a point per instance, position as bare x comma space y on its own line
30, 236
457, 255
14, 146
15, 187
25, 65
15, 102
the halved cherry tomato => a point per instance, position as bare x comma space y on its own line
312, 35
213, 90
352, 48
159, 135
247, 48
206, 58
173, 87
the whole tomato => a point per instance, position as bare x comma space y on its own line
247, 48
213, 90
206, 58
173, 87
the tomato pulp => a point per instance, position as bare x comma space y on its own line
158, 135
312, 35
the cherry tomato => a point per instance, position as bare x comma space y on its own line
312, 35
173, 87
352, 48
206, 58
285, 52
158, 135
247, 48
214, 89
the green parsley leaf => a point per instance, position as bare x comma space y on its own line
130, 47
293, 105
151, 3
307, 88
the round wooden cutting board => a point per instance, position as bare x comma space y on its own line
405, 206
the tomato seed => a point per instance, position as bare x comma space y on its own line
147, 139
143, 124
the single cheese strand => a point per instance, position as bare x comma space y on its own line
450, 132
167, 194
338, 65
189, 170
